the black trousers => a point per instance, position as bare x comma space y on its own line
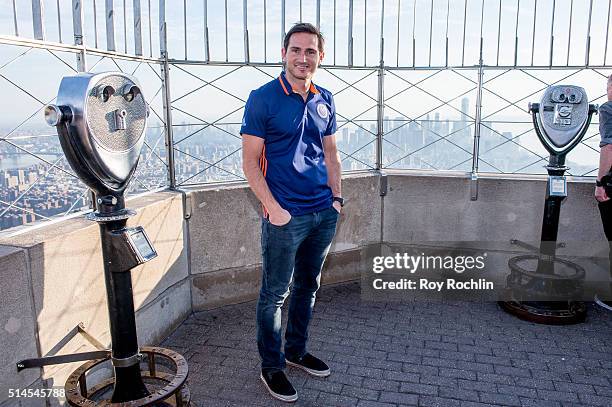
605, 210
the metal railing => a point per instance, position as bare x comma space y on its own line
418, 84
405, 33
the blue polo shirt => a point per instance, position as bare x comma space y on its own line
292, 160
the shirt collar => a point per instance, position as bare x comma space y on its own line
287, 86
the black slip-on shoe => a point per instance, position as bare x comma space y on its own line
278, 385
311, 365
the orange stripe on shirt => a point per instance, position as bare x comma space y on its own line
283, 85
263, 164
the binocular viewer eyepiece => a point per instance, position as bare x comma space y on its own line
562, 117
101, 121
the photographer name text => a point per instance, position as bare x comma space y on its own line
430, 285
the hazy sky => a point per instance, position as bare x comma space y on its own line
447, 19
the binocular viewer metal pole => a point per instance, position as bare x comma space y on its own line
542, 294
556, 187
125, 353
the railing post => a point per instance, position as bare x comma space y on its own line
380, 114
588, 39
110, 25
245, 6
283, 32
15, 19
380, 108
166, 100
206, 41
37, 20
476, 150
137, 28
77, 23
81, 60
350, 34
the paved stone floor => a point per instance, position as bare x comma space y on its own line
411, 353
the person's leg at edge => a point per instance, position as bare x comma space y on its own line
309, 261
605, 210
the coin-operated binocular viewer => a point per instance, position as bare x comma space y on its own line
101, 122
544, 285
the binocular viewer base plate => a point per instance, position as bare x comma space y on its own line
165, 384
550, 279
549, 313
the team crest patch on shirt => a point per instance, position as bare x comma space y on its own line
322, 110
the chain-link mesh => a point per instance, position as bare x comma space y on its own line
428, 124
37, 182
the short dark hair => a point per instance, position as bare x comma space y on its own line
610, 80
304, 28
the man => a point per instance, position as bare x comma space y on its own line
605, 164
292, 165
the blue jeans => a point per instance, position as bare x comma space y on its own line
296, 250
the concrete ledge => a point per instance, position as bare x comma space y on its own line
360, 222
159, 318
420, 208
341, 267
225, 223
224, 228
236, 285
222, 287
17, 321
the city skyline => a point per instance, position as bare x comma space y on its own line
41, 191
